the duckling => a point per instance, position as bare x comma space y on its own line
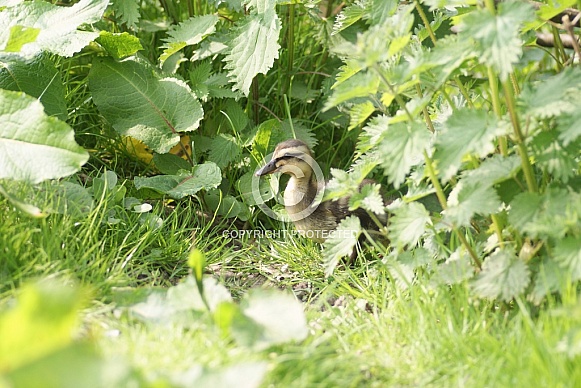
303, 193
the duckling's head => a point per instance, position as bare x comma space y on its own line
291, 157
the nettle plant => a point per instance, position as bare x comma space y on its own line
482, 118
150, 82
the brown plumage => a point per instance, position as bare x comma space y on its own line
292, 157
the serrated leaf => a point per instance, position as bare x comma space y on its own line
58, 25
408, 223
237, 118
401, 148
279, 315
254, 46
19, 36
554, 157
497, 36
187, 33
348, 16
465, 131
224, 150
37, 77
358, 113
468, 199
141, 104
457, 269
33, 146
127, 11
503, 276
119, 45
372, 133
551, 214
205, 176
301, 131
569, 127
553, 96
381, 10
549, 278
568, 255
341, 243
362, 84
493, 170
369, 198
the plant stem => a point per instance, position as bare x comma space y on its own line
464, 92
522, 150
495, 97
471, 252
425, 111
290, 46
425, 21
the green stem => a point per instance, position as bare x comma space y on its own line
425, 21
435, 182
425, 112
495, 97
464, 92
522, 150
471, 252
290, 46
559, 49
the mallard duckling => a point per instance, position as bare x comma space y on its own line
303, 193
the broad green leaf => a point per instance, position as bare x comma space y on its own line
187, 33
254, 46
348, 16
493, 170
549, 278
369, 198
170, 164
362, 84
497, 36
372, 133
552, 96
225, 206
42, 321
58, 25
466, 131
341, 243
224, 150
68, 198
381, 10
402, 148
119, 45
33, 146
358, 113
569, 127
408, 223
127, 11
457, 269
37, 77
237, 118
19, 36
141, 104
279, 315
568, 255
468, 199
551, 214
205, 176
503, 276
255, 190
554, 157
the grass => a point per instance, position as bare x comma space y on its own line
365, 330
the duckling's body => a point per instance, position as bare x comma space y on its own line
302, 197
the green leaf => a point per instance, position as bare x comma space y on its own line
457, 269
349, 16
279, 315
58, 25
551, 214
363, 84
341, 243
549, 278
569, 127
254, 46
37, 77
369, 198
224, 150
358, 113
127, 11
141, 104
466, 131
19, 36
33, 146
119, 45
468, 199
503, 276
205, 176
554, 157
382, 10
408, 224
553, 96
41, 322
225, 206
497, 36
568, 255
187, 33
372, 133
402, 148
170, 164
493, 170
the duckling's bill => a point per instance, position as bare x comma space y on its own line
269, 168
